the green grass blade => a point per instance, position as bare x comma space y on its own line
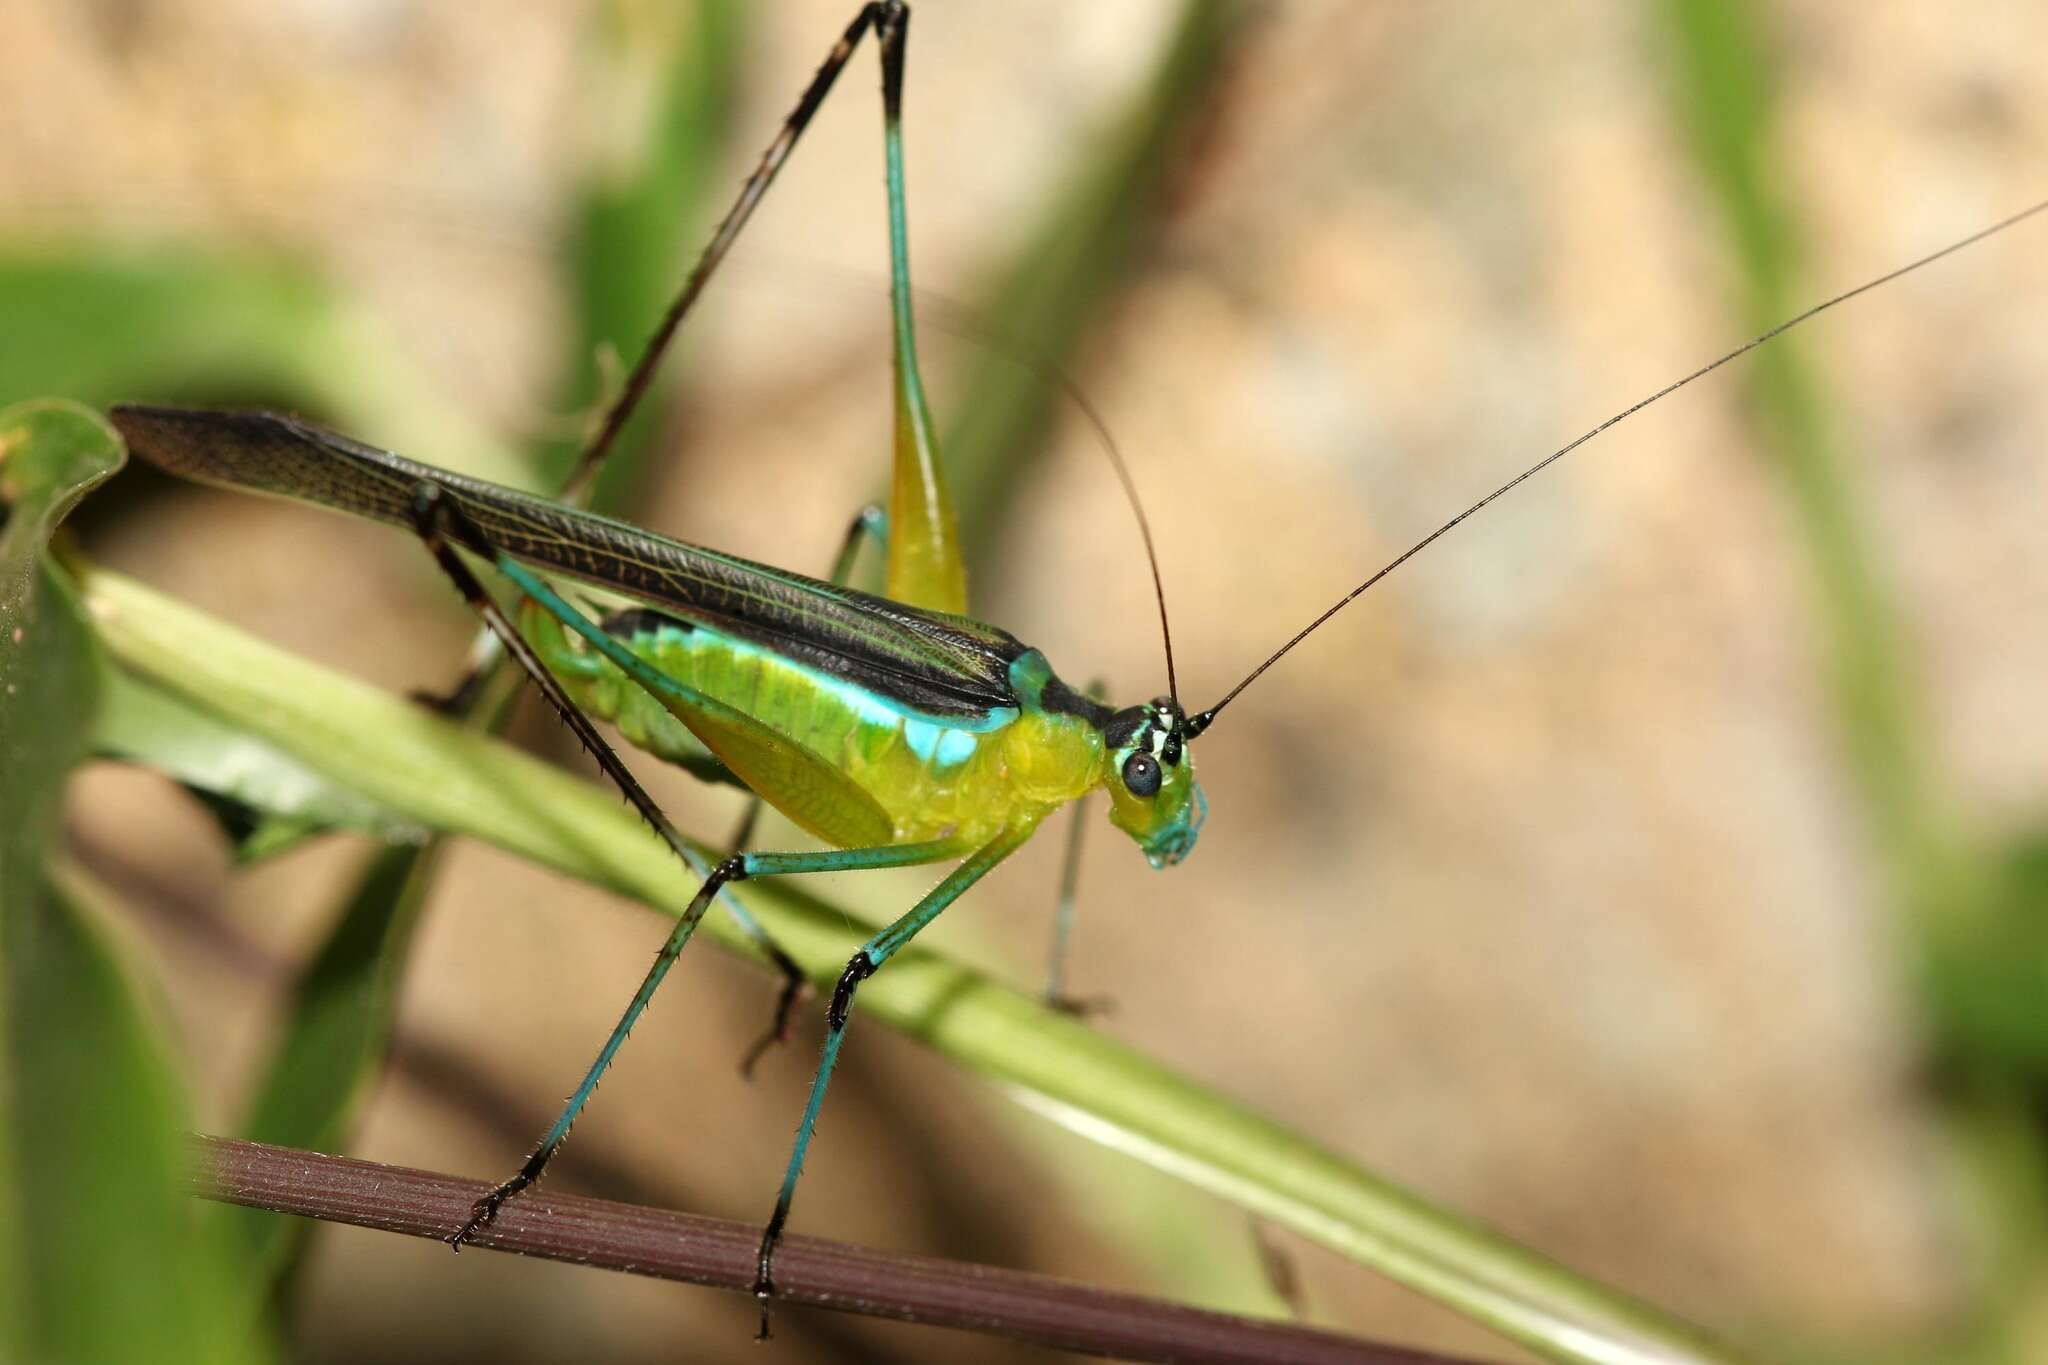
124, 1265
169, 324
102, 1255
448, 778
1724, 97
1065, 277
201, 751
1987, 973
1972, 921
48, 684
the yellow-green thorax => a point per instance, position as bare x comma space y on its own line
965, 777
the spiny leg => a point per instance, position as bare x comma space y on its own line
738, 867
871, 16
485, 1209
583, 475
926, 568
795, 985
859, 968
1056, 997
870, 523
434, 515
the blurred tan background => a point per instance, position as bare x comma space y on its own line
1536, 883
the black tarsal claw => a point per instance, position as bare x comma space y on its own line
481, 1214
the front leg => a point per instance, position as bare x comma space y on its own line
859, 968
739, 867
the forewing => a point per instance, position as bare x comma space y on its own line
930, 662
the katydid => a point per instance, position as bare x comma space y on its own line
892, 727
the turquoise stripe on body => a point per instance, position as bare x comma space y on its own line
944, 742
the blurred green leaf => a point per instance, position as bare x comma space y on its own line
49, 457
102, 322
105, 1258
1987, 973
1726, 100
51, 454
195, 747
124, 1266
1981, 952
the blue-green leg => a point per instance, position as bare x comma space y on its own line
436, 518
737, 868
870, 525
863, 964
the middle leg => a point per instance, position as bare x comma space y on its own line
859, 968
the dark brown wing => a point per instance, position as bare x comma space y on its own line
944, 665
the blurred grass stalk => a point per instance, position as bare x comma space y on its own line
1971, 921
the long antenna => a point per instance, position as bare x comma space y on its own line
947, 314
1201, 722
1123, 473
957, 318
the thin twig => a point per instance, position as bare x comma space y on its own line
677, 1246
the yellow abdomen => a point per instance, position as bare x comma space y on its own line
935, 776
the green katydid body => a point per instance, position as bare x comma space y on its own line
866, 721
892, 727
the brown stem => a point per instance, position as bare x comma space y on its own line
677, 1246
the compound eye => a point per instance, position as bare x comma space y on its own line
1142, 774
